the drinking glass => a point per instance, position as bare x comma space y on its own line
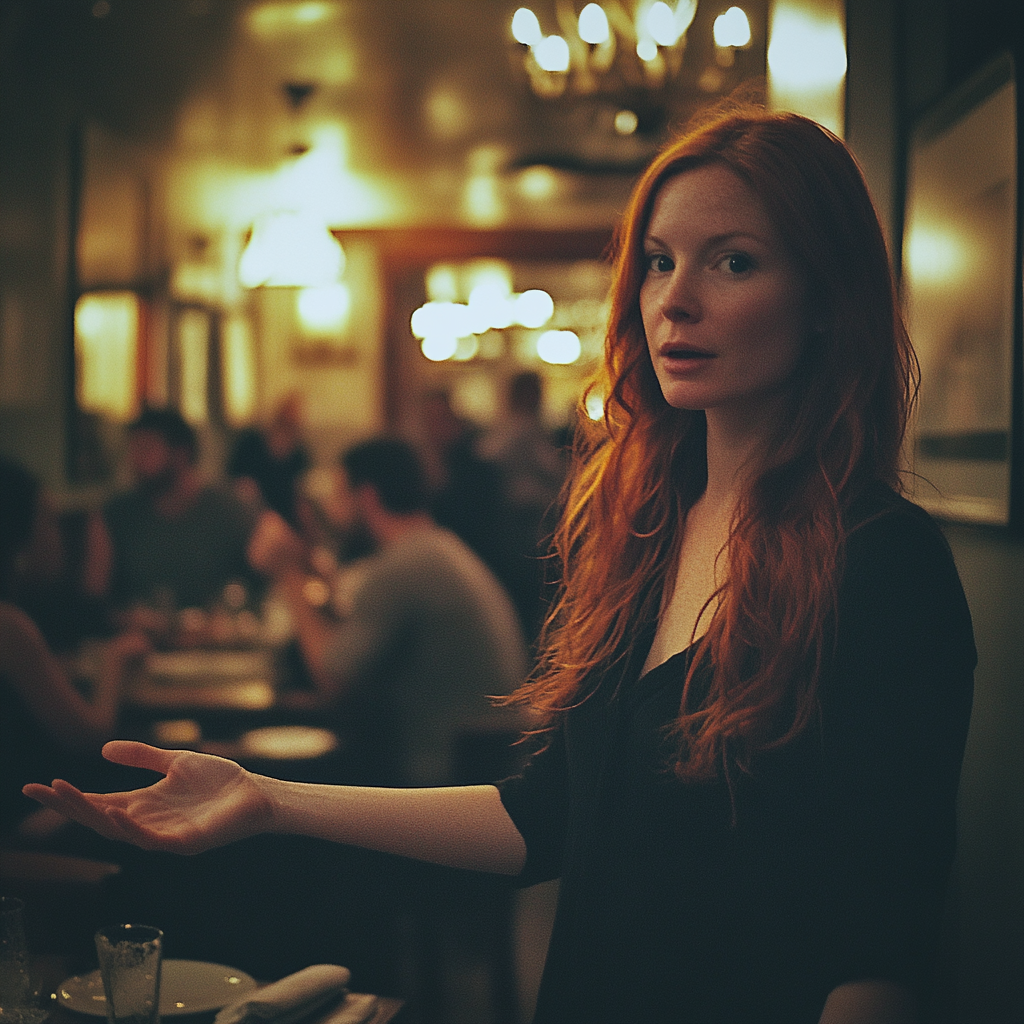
130, 956
19, 1003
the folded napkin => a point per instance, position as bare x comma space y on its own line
291, 998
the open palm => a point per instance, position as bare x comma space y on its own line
201, 802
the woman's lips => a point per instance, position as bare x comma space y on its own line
685, 358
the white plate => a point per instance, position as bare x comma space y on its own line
186, 986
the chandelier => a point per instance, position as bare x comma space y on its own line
617, 50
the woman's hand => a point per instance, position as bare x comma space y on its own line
202, 801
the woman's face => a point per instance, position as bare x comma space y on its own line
723, 306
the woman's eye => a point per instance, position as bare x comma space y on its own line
659, 262
737, 263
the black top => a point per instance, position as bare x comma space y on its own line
836, 865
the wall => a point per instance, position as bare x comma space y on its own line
903, 57
35, 142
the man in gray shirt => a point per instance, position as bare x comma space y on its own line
429, 635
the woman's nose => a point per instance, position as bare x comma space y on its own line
681, 300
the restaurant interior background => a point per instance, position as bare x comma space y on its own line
156, 154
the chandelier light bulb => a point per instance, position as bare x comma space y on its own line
552, 54
732, 28
661, 24
647, 50
526, 27
593, 24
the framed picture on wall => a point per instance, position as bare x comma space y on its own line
960, 284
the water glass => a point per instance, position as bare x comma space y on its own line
130, 956
19, 1002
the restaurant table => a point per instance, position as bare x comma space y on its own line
225, 702
48, 971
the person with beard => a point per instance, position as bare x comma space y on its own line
177, 539
428, 633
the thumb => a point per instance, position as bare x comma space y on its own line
139, 755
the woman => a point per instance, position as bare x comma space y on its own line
757, 679
45, 719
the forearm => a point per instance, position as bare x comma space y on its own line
462, 827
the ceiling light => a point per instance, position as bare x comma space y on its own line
289, 249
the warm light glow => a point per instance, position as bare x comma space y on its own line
239, 358
437, 348
647, 50
106, 346
273, 19
660, 22
441, 320
732, 28
442, 283
552, 54
466, 349
595, 405
194, 358
526, 27
593, 24
807, 60
559, 347
805, 52
289, 249
324, 309
933, 255
534, 308
626, 122
538, 183
483, 203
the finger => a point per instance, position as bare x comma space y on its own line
139, 755
63, 798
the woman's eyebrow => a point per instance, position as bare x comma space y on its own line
714, 240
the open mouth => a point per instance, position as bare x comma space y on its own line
685, 354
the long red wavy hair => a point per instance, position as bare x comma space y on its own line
637, 472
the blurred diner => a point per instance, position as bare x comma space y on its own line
424, 637
178, 539
531, 468
267, 462
50, 720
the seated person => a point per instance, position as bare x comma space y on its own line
46, 723
177, 539
430, 633
267, 463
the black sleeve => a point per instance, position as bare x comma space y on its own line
536, 801
894, 723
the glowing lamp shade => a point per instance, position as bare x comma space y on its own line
291, 250
325, 308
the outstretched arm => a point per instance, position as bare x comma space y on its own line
204, 801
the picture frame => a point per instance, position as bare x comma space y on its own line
961, 289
